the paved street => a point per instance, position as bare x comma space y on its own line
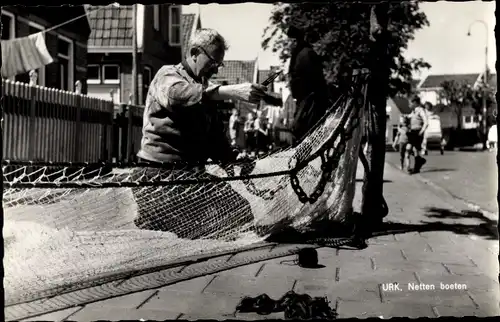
430, 241
471, 176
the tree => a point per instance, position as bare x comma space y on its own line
458, 95
354, 35
340, 33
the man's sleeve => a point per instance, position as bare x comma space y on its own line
170, 89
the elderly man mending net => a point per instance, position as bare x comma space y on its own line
180, 126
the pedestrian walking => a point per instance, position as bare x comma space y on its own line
401, 143
249, 130
234, 126
430, 113
261, 133
418, 125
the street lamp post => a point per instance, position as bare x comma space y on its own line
485, 79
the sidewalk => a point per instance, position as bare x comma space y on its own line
432, 240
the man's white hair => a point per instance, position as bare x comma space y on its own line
208, 39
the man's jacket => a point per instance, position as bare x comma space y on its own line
179, 122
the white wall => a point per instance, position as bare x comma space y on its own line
429, 96
103, 92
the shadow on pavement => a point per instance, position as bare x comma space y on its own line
385, 181
424, 170
485, 227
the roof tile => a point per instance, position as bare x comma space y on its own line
236, 71
433, 81
187, 22
110, 26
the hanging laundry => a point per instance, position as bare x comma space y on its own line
21, 55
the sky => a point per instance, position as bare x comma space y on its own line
444, 43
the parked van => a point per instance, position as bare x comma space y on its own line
434, 135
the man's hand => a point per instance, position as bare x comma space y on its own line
248, 92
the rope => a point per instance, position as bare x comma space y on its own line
115, 4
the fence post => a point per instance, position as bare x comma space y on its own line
78, 87
130, 110
122, 132
78, 105
33, 74
111, 130
33, 90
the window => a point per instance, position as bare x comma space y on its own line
174, 26
156, 17
93, 74
65, 63
111, 74
8, 26
468, 119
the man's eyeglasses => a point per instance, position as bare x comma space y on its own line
215, 63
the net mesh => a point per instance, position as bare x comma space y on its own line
68, 224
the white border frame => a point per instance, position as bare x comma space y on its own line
170, 26
71, 59
110, 81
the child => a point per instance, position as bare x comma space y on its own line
261, 133
233, 126
401, 139
249, 130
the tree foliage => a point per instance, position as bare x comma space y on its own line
340, 34
461, 94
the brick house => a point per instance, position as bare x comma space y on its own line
159, 42
67, 44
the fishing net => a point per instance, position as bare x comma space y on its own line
66, 224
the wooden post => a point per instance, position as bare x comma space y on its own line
32, 130
134, 55
111, 130
33, 78
130, 111
78, 105
78, 87
373, 208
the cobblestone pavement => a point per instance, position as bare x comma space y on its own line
433, 258
471, 176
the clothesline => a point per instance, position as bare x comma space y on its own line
30, 53
115, 4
